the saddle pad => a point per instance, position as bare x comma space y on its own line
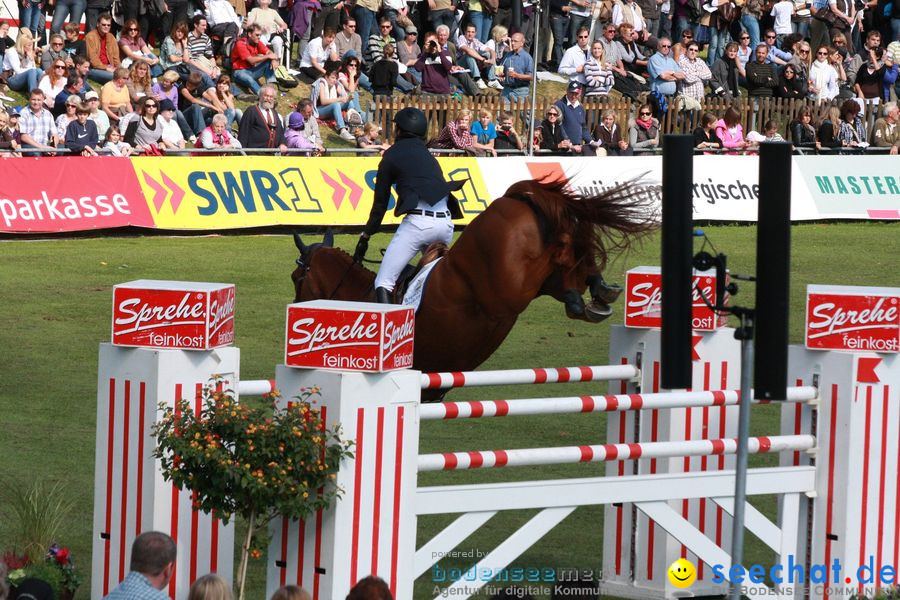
416, 289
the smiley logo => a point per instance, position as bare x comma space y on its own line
682, 573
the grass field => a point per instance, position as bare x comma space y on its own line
55, 305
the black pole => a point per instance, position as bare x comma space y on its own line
677, 252
773, 267
516, 14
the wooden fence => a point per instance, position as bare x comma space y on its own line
754, 113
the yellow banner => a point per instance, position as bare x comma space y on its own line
238, 191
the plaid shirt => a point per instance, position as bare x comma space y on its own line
696, 72
136, 587
39, 126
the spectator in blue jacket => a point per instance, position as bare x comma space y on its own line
574, 121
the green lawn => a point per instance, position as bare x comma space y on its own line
55, 306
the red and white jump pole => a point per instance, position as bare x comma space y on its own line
457, 379
523, 457
589, 404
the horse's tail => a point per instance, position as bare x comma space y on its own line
602, 221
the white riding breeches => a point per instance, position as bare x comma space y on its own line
413, 235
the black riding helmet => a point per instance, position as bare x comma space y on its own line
411, 121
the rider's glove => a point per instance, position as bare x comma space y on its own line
361, 246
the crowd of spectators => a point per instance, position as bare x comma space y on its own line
169, 73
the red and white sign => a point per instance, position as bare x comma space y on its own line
349, 336
643, 299
173, 314
853, 318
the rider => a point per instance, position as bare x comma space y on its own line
422, 196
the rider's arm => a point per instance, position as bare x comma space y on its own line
383, 181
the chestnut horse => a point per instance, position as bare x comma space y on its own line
540, 238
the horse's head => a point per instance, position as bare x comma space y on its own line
579, 231
324, 271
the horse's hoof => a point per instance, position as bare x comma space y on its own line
606, 293
597, 311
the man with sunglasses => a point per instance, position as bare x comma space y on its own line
102, 50
665, 74
775, 54
347, 41
572, 63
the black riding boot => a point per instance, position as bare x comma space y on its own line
382, 296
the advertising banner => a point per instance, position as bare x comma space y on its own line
240, 191
214, 193
70, 194
852, 187
846, 317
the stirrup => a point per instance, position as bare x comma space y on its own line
382, 296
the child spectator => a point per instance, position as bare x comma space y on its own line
507, 137
485, 133
113, 144
370, 138
294, 137
81, 134
172, 136
770, 130
291, 592
73, 45
9, 139
210, 587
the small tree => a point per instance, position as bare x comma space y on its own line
258, 462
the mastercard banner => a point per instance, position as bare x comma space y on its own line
234, 191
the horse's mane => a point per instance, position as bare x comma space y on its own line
609, 221
355, 266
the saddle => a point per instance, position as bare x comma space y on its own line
434, 251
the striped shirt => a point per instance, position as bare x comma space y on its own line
199, 45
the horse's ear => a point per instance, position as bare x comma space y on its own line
299, 243
328, 242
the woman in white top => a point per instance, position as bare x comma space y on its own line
823, 78
499, 42
53, 82
329, 97
20, 59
